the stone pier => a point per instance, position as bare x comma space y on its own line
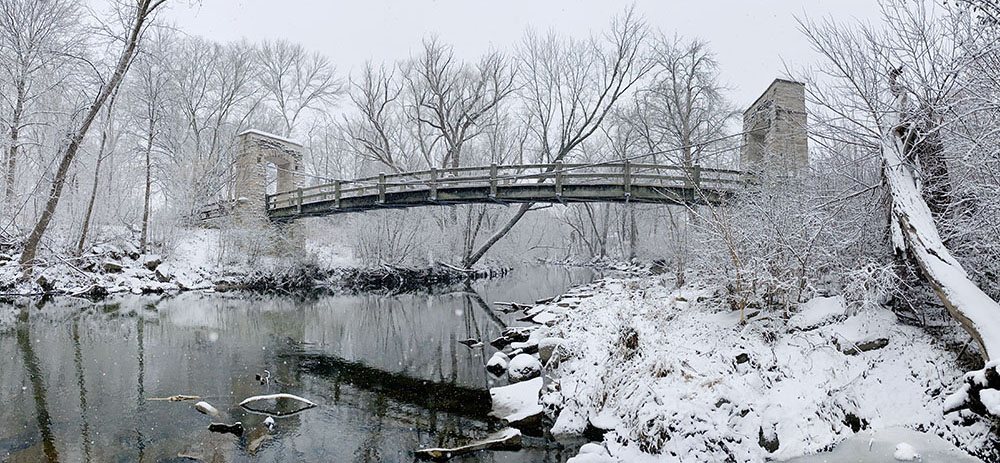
775, 129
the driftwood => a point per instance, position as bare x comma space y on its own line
306, 404
176, 398
504, 439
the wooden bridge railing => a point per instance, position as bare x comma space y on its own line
496, 176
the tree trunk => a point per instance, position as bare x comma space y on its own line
143, 239
143, 10
93, 197
914, 232
15, 129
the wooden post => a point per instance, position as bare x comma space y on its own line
493, 180
298, 197
267, 203
434, 185
336, 194
559, 178
627, 178
696, 175
381, 187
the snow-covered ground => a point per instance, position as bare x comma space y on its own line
197, 260
676, 377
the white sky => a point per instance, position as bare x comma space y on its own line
751, 38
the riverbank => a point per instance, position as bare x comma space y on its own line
670, 374
196, 264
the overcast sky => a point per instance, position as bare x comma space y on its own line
751, 38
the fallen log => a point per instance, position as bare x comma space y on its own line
504, 439
306, 404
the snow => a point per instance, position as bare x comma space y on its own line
892, 444
991, 400
796, 385
523, 367
516, 401
817, 311
269, 135
905, 452
965, 300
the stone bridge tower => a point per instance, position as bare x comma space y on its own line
255, 150
774, 129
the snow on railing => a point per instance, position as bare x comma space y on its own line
495, 176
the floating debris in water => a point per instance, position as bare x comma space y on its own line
235, 428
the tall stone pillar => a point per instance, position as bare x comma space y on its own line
774, 129
256, 150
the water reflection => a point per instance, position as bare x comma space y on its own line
387, 372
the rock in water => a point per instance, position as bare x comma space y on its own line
523, 367
497, 363
235, 428
517, 404
206, 408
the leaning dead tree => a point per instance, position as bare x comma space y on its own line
914, 233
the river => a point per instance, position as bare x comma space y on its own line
387, 372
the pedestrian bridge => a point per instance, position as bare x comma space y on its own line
564, 183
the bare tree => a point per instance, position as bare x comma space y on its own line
136, 18
34, 36
295, 81
568, 87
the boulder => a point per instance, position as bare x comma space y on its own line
111, 266
497, 363
151, 261
523, 367
546, 347
517, 404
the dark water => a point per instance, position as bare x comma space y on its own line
386, 371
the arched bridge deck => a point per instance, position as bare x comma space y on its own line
552, 183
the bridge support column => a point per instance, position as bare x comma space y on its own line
256, 151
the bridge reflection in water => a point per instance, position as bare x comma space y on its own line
387, 372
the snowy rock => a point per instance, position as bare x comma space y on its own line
497, 363
905, 452
517, 404
111, 266
206, 408
864, 346
545, 318
545, 348
528, 347
523, 367
151, 261
592, 453
591, 448
163, 273
818, 311
991, 400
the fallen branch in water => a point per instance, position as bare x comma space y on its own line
249, 400
504, 439
176, 398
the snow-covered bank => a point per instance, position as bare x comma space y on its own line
675, 377
201, 260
